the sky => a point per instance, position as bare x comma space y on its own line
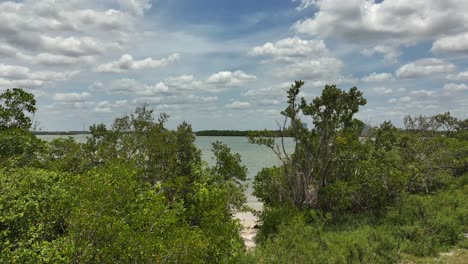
226, 64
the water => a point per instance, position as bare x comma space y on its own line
254, 157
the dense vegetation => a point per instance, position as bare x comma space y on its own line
133, 193
137, 192
350, 194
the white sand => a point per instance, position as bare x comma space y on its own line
248, 221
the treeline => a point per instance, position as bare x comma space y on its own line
243, 133
65, 133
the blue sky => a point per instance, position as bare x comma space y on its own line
226, 64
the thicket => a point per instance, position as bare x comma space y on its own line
350, 193
135, 192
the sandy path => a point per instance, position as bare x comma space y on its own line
249, 221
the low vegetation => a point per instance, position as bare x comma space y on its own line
353, 194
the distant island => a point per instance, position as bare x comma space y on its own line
60, 132
224, 133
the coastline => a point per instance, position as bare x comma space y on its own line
249, 222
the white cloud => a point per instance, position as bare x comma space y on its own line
54, 60
136, 6
127, 63
238, 105
378, 77
423, 93
424, 67
290, 49
181, 100
304, 4
391, 54
111, 106
451, 44
401, 22
13, 71
7, 50
461, 76
228, 78
268, 102
184, 82
453, 87
320, 68
25, 83
276, 91
128, 86
401, 100
71, 97
301, 59
20, 76
73, 46
382, 90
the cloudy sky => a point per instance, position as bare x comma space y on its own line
225, 64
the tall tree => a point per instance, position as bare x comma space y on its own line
15, 107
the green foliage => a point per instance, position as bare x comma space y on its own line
135, 192
34, 205
269, 186
416, 225
19, 148
15, 104
318, 152
379, 194
66, 155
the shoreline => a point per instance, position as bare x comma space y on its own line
248, 221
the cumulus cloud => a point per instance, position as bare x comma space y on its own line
382, 90
461, 76
451, 44
320, 68
20, 76
72, 46
25, 83
127, 63
136, 6
402, 22
424, 67
238, 105
390, 54
424, 93
275, 91
378, 77
405, 99
128, 86
65, 33
13, 71
72, 97
111, 106
184, 82
304, 4
453, 87
7, 50
301, 59
54, 60
181, 99
229, 78
290, 49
